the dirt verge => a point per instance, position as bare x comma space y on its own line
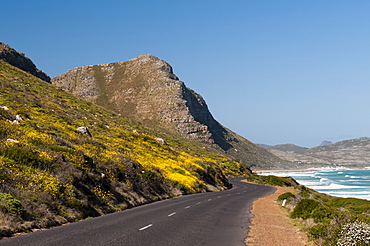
271, 224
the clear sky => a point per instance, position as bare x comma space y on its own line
273, 71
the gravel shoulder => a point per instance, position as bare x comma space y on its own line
271, 224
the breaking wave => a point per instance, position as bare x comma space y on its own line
341, 183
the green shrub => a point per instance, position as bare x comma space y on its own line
273, 180
5, 115
318, 231
3, 133
304, 208
286, 195
24, 157
304, 191
8, 204
150, 175
353, 204
320, 213
58, 148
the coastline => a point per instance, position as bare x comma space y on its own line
281, 170
323, 168
339, 182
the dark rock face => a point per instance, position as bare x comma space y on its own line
146, 90
20, 61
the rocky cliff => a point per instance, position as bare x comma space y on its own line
146, 89
20, 61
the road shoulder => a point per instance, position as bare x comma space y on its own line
271, 224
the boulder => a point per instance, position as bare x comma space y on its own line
160, 141
84, 130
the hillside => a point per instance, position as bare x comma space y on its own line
348, 153
63, 158
146, 90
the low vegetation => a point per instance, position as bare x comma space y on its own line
328, 220
273, 180
51, 173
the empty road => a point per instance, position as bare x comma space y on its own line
214, 218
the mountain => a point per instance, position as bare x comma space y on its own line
146, 90
347, 153
325, 142
265, 146
63, 158
287, 147
19, 60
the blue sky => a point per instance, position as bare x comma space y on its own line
282, 71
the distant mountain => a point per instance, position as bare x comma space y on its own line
287, 147
146, 90
19, 60
265, 146
350, 153
325, 142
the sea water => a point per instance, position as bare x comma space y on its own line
340, 183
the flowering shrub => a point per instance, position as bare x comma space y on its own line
356, 233
103, 195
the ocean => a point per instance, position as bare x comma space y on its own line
340, 183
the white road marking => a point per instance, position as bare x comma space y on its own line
187, 207
199, 202
171, 214
145, 227
219, 197
209, 199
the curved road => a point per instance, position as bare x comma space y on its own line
214, 218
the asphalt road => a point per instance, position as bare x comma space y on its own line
214, 218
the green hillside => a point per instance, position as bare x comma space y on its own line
51, 173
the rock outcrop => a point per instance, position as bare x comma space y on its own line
19, 60
146, 89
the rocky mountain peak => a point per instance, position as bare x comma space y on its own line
143, 88
145, 58
19, 60
150, 62
146, 89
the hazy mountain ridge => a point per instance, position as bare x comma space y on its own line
325, 142
146, 90
352, 152
287, 147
